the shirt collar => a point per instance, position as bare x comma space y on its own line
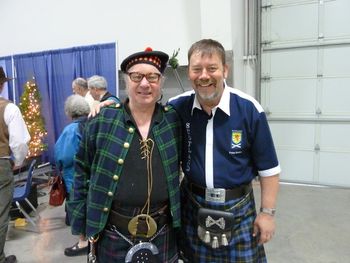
156, 118
224, 103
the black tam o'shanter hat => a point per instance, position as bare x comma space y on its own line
158, 59
3, 77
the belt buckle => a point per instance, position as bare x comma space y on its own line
148, 222
215, 195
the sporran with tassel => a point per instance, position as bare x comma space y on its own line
215, 227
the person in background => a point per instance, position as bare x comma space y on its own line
14, 139
80, 87
98, 89
226, 144
77, 109
97, 86
126, 187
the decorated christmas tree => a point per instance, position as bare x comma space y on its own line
31, 111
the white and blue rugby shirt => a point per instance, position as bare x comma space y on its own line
230, 147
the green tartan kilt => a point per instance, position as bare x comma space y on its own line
113, 248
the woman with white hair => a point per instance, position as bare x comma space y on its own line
77, 109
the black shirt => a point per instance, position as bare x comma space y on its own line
132, 186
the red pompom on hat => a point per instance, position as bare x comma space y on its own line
157, 59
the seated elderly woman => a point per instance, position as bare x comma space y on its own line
77, 109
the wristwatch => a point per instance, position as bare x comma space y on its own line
269, 211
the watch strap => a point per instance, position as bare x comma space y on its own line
269, 211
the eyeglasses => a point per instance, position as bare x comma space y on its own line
137, 77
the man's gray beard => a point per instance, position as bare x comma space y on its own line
208, 98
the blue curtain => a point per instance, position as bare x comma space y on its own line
6, 63
53, 72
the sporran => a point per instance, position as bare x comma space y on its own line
215, 227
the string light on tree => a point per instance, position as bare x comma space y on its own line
31, 111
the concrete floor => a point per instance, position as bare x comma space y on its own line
313, 226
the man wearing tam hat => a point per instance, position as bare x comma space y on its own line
14, 139
126, 188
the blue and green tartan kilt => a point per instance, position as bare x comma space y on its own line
243, 248
113, 248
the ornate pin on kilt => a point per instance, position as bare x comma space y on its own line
142, 252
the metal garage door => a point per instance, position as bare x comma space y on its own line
305, 87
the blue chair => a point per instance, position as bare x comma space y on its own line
21, 193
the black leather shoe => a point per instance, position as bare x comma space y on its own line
75, 250
11, 259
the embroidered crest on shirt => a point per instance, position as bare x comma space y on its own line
236, 139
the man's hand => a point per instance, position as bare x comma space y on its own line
264, 226
16, 167
99, 106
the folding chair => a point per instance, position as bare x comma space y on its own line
21, 193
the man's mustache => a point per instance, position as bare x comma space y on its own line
205, 82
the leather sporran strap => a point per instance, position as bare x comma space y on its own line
215, 227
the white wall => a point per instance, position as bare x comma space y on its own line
237, 34
38, 25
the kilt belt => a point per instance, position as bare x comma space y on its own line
220, 195
121, 222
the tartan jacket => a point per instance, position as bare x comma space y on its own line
99, 164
